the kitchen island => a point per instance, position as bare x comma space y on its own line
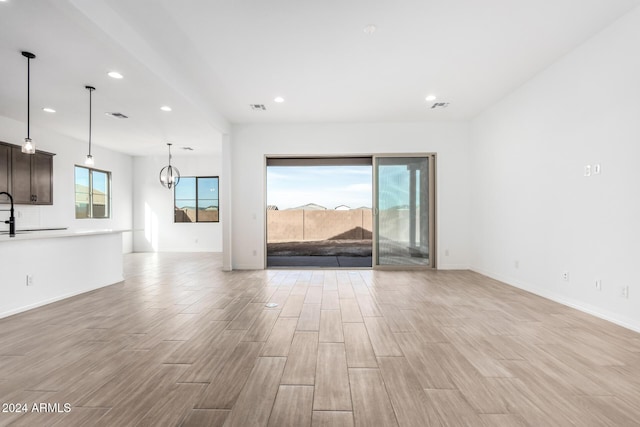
44, 266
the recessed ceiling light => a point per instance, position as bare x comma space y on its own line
278, 99
115, 75
165, 108
370, 29
46, 109
430, 98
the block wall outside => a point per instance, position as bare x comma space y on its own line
285, 226
306, 225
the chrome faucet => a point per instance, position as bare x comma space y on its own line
12, 219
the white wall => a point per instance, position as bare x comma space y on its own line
225, 200
70, 152
153, 208
531, 202
60, 267
251, 143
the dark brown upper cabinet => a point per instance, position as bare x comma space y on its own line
29, 177
5, 170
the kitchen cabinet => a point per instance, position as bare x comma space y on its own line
29, 176
42, 178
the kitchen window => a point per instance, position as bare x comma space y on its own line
196, 199
93, 193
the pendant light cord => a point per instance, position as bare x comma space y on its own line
28, 147
28, 95
90, 90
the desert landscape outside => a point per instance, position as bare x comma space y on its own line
303, 231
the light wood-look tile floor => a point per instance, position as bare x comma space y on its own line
181, 343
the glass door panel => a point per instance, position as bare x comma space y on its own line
403, 222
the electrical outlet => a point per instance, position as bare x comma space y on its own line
587, 170
565, 276
29, 280
624, 292
599, 285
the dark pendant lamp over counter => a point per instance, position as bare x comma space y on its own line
89, 160
28, 147
169, 175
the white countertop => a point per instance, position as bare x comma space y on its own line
49, 234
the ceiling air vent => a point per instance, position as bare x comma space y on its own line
440, 105
117, 115
258, 107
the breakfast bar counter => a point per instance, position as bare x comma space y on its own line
43, 266
49, 233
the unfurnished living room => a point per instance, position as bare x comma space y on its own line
488, 155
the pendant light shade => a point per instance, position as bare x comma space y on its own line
89, 160
169, 175
28, 147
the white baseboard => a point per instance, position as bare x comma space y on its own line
248, 267
453, 267
52, 300
578, 305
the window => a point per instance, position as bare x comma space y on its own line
93, 193
196, 199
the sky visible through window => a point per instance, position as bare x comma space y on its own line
186, 192
328, 186
185, 196
394, 187
82, 178
92, 196
100, 182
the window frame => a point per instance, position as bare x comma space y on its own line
90, 189
197, 221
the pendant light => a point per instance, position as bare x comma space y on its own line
89, 160
28, 147
169, 175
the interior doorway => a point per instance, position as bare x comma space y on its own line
319, 212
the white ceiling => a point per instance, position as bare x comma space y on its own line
210, 59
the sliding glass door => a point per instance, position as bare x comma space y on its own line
404, 215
